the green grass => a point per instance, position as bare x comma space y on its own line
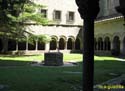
67, 57
20, 76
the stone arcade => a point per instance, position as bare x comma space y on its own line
65, 31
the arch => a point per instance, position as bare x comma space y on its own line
62, 43
1, 45
100, 36
72, 37
100, 43
22, 45
41, 45
53, 44
11, 45
31, 46
64, 37
70, 44
107, 44
77, 44
116, 45
107, 35
55, 37
116, 34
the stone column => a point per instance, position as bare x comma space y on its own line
26, 43
97, 46
47, 46
73, 45
105, 46
16, 45
65, 45
57, 46
121, 47
112, 44
36, 45
85, 9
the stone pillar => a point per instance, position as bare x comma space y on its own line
73, 45
121, 47
97, 46
16, 45
47, 46
85, 9
65, 45
112, 44
36, 46
57, 46
26, 43
104, 44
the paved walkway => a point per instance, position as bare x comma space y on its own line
66, 64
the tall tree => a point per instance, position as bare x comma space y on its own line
14, 16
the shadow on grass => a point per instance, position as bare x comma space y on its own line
107, 69
54, 79
13, 63
13, 56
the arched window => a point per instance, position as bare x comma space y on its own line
31, 46
11, 45
77, 44
107, 44
61, 44
70, 44
22, 45
100, 44
116, 44
53, 44
41, 45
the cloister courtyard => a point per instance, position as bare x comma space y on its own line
31, 31
17, 74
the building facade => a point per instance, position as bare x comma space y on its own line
65, 29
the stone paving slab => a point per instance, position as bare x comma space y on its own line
66, 64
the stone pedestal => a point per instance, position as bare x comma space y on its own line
53, 59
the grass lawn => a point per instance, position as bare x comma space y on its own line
18, 75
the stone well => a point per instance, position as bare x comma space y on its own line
53, 59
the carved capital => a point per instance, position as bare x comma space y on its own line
88, 8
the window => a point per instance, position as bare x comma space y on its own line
44, 13
70, 17
57, 15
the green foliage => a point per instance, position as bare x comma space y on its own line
41, 38
16, 14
